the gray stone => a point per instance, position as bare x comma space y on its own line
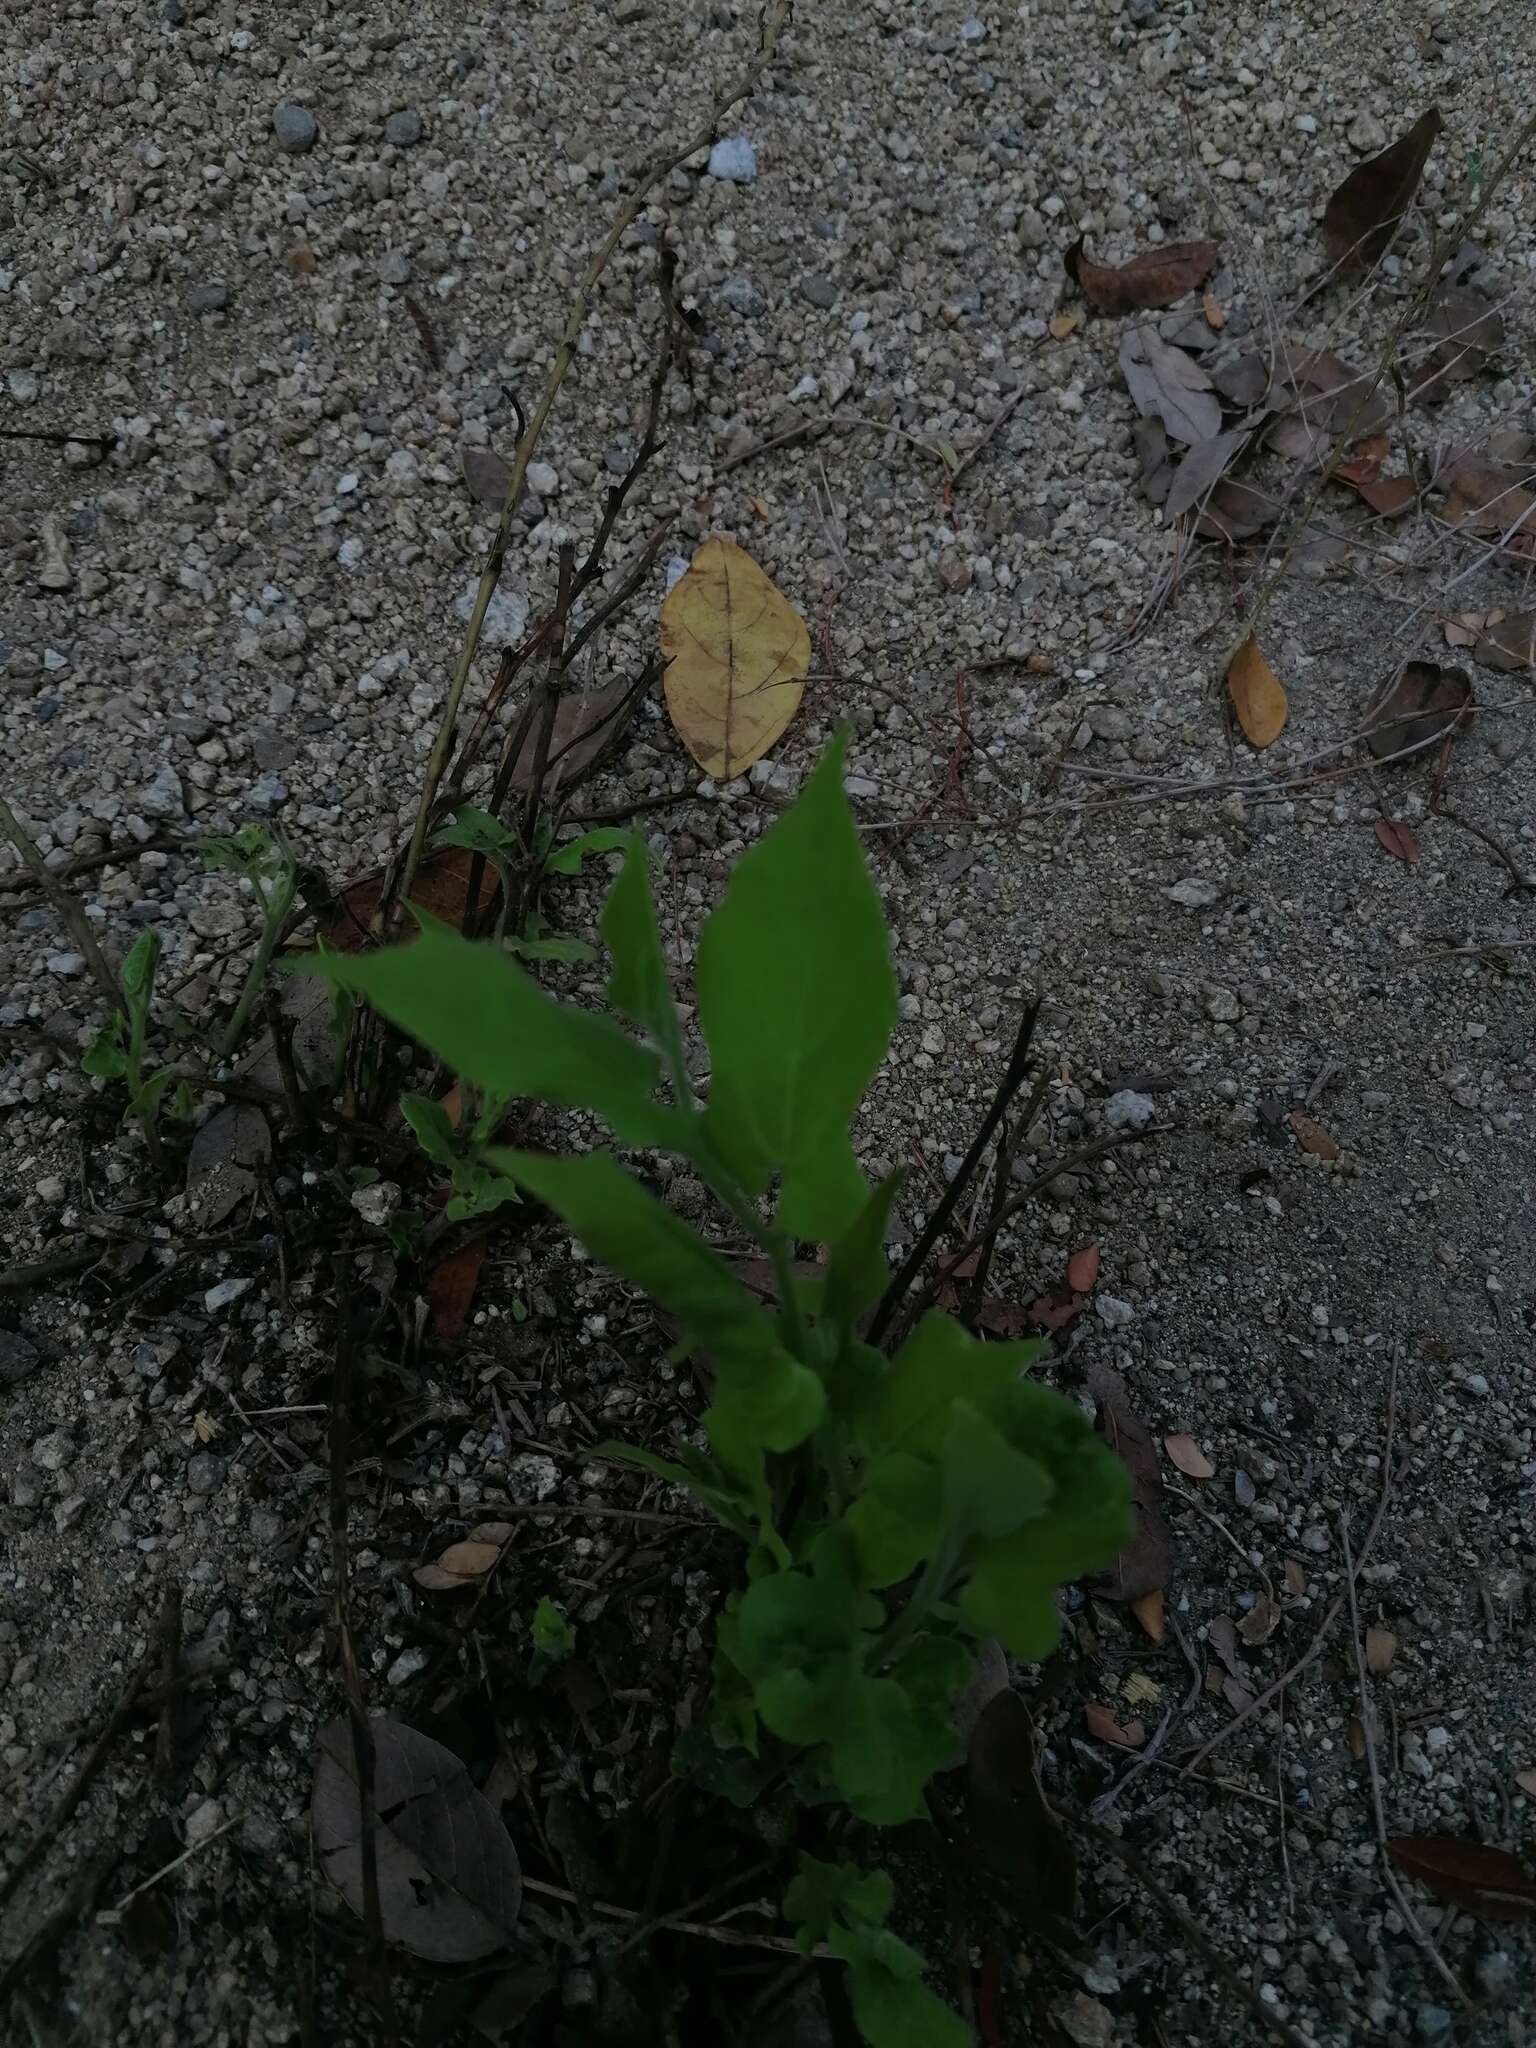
295, 128
66, 965
163, 798
221, 1295
733, 160
821, 291
1367, 135
19, 1357
208, 298
740, 294
394, 267
205, 1472
53, 1452
1193, 893
22, 385
404, 129
1126, 1110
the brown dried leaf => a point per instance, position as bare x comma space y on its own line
1156, 458
441, 887
488, 477
1489, 498
1146, 1563
1155, 278
1465, 332
1389, 497
1103, 1726
1236, 1695
1366, 466
1260, 1622
1526, 1780
1463, 630
302, 260
1168, 384
586, 725
448, 1878
1012, 1827
1507, 642
1236, 512
1473, 1876
1222, 1637
1417, 707
1380, 1649
1363, 214
1083, 1269
1398, 840
1257, 695
451, 1287
1188, 1456
1202, 469
1244, 379
1311, 1136
1149, 1612
1295, 1580
1356, 1738
1215, 319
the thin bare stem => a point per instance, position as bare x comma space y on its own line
666, 159
69, 908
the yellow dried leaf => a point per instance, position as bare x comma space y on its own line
1380, 1649
737, 655
1215, 319
1257, 695
1148, 1610
1063, 324
1141, 1691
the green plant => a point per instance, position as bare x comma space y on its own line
263, 859
117, 1051
553, 1639
893, 1509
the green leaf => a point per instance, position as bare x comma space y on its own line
764, 1398
569, 855
885, 1749
478, 831
892, 2006
710, 1485
107, 1055
433, 1128
553, 1637
639, 987
259, 856
989, 1487
481, 1013
895, 1519
576, 952
478, 1192
797, 1000
938, 1361
857, 1269
139, 969
145, 1103
1088, 1521
824, 1893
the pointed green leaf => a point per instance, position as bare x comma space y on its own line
764, 1398
432, 1126
639, 987
139, 968
569, 855
857, 1270
797, 1000
481, 1013
477, 831
107, 1054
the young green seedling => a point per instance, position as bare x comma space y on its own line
893, 1509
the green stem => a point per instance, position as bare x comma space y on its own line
274, 916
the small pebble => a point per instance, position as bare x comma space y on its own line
733, 160
404, 129
205, 1473
295, 128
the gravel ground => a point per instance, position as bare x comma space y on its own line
243, 604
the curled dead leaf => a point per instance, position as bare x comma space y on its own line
1365, 466
1011, 1825
1260, 1622
1258, 698
1155, 278
1222, 1637
1416, 708
1236, 511
1103, 1726
1312, 1137
1398, 840
1380, 1649
1472, 1875
1146, 1563
1490, 498
1507, 641
1463, 333
451, 1287
1188, 1456
737, 656
1389, 497
1363, 214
